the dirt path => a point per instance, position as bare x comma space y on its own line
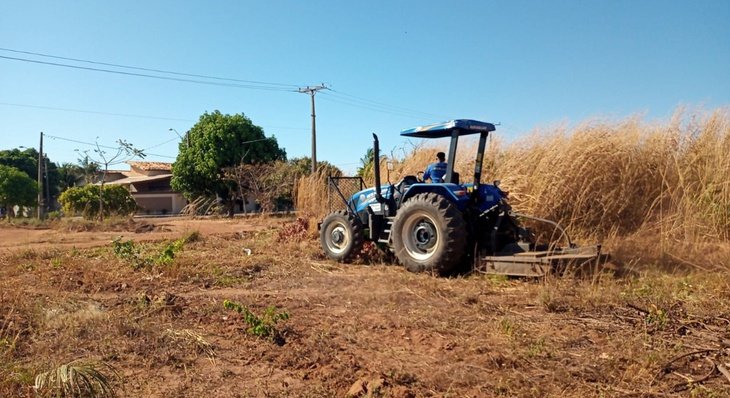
143, 229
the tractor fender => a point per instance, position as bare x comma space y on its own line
455, 193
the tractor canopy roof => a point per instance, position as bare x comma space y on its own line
445, 129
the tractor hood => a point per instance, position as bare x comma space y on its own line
446, 129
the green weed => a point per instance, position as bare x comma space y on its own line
131, 253
263, 326
167, 255
138, 259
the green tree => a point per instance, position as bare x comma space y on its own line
91, 170
366, 164
16, 188
27, 162
70, 175
116, 200
303, 167
217, 142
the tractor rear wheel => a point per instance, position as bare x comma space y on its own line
429, 234
341, 236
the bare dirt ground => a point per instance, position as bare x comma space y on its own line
366, 329
142, 229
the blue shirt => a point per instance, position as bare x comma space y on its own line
435, 171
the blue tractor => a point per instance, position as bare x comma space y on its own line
438, 227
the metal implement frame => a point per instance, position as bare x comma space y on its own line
541, 263
335, 188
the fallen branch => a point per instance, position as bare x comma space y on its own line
683, 386
724, 372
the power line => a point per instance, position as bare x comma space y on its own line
374, 108
53, 108
94, 144
252, 87
95, 112
160, 144
355, 98
148, 69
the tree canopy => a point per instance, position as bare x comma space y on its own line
214, 143
16, 188
27, 162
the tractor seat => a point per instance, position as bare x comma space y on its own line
402, 186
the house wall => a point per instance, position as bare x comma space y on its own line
169, 203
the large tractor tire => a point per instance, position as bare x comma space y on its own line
341, 236
429, 234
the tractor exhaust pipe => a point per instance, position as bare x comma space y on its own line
376, 168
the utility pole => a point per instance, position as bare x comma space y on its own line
40, 179
312, 91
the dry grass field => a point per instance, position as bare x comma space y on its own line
368, 329
251, 308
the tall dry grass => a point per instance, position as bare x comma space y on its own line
604, 179
668, 181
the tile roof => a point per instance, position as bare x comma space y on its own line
147, 166
131, 180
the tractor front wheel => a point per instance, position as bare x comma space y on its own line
429, 234
341, 236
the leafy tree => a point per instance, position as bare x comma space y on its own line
116, 199
27, 161
90, 169
70, 175
214, 143
366, 164
16, 188
303, 166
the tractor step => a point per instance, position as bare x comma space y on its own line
537, 264
385, 235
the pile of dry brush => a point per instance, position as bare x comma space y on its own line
664, 186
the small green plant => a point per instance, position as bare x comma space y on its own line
130, 252
263, 326
56, 262
167, 256
507, 327
76, 379
657, 316
133, 253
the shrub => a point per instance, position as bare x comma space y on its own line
85, 201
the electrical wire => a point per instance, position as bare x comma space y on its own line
252, 87
374, 108
161, 144
96, 112
336, 96
95, 144
52, 108
147, 69
355, 98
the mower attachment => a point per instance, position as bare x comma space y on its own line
540, 263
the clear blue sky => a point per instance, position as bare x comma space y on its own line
524, 64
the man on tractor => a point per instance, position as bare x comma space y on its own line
436, 171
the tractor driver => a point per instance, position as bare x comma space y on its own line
436, 171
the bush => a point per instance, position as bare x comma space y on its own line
84, 201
